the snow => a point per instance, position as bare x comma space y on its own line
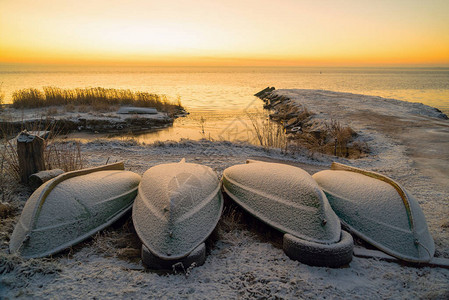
244, 261
72, 209
11, 114
284, 196
177, 207
376, 211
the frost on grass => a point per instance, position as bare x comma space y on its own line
243, 261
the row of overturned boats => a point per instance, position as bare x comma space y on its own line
176, 206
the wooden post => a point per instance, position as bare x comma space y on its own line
30, 152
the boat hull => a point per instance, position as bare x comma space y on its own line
177, 207
71, 207
285, 197
379, 211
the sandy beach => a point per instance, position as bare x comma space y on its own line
409, 142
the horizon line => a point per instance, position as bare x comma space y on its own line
149, 65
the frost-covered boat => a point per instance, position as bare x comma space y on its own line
288, 199
378, 210
72, 207
136, 110
177, 207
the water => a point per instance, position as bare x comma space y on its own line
220, 96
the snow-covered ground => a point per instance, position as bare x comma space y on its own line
246, 261
11, 114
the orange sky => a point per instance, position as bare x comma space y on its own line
231, 32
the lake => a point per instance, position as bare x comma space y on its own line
220, 98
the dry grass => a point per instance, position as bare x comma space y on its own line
341, 137
98, 98
333, 139
2, 96
234, 218
63, 155
57, 155
268, 133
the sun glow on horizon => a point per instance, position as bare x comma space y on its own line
228, 32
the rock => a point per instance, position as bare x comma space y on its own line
265, 91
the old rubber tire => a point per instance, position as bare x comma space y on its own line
197, 256
322, 255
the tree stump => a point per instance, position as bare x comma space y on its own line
30, 152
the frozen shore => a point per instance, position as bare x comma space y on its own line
409, 143
63, 120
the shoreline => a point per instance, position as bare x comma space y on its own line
61, 119
243, 262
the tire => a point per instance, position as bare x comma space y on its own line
322, 255
197, 256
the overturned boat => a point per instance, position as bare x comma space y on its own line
136, 110
288, 199
379, 211
177, 207
71, 207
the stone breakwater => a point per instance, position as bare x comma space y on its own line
303, 128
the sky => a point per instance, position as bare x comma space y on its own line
225, 33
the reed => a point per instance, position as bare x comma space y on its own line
2, 96
334, 139
57, 155
268, 133
94, 97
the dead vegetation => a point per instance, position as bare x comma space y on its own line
2, 96
267, 133
97, 98
304, 131
57, 154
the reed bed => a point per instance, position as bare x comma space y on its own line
96, 97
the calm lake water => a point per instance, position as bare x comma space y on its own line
218, 98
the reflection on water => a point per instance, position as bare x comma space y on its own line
218, 126
223, 96
231, 88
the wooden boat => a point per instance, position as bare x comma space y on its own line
379, 211
288, 199
136, 110
72, 207
177, 207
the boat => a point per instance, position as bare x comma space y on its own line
288, 199
378, 210
136, 110
71, 207
177, 207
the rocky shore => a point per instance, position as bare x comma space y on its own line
60, 120
302, 126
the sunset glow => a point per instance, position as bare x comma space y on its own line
228, 32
